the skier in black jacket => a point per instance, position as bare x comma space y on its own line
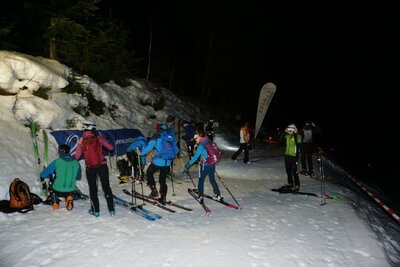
308, 147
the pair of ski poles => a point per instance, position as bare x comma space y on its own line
222, 182
133, 188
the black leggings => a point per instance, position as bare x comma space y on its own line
91, 175
164, 170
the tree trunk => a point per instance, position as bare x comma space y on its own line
206, 91
52, 48
150, 44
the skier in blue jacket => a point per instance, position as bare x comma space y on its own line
139, 143
189, 137
158, 163
205, 169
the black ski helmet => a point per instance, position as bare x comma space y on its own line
63, 149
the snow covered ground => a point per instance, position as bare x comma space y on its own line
272, 229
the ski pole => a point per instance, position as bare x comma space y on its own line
171, 173
321, 171
140, 175
227, 189
109, 159
191, 179
133, 189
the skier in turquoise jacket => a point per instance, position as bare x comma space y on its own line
205, 169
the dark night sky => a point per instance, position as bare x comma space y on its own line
334, 64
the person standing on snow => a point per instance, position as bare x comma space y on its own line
139, 143
244, 143
291, 139
160, 161
210, 132
205, 169
308, 148
63, 173
90, 146
190, 131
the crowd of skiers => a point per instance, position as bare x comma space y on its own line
163, 147
63, 172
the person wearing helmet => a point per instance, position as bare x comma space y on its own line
308, 147
63, 173
90, 147
291, 140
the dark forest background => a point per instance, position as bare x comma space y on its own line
333, 63
206, 51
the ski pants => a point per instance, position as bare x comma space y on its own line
91, 175
134, 160
291, 170
245, 147
210, 171
164, 170
306, 152
190, 148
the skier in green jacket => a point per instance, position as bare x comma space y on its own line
291, 140
63, 173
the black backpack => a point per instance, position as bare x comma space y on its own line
123, 167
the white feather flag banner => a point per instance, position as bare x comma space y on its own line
266, 94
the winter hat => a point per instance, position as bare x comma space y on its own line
63, 149
170, 118
89, 126
291, 129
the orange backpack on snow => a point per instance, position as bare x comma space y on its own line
20, 196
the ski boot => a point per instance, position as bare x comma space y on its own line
69, 202
95, 214
154, 193
217, 197
123, 179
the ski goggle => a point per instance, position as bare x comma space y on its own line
89, 126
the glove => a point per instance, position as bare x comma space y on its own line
186, 168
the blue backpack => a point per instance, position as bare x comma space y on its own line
169, 148
139, 142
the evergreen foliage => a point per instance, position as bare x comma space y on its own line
42, 92
73, 32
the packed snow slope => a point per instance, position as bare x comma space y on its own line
271, 229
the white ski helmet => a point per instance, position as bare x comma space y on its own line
89, 126
291, 128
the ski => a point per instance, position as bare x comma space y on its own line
35, 148
286, 191
178, 206
222, 201
139, 211
34, 131
196, 197
168, 202
148, 200
80, 195
45, 148
135, 207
